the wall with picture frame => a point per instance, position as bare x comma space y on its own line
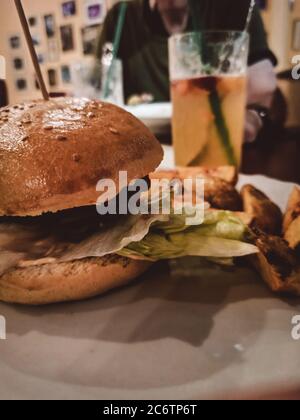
59, 47
295, 29
282, 22
63, 35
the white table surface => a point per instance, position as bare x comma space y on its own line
207, 333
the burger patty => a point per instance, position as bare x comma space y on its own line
73, 225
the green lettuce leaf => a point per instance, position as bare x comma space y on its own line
221, 235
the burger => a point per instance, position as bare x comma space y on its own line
52, 154
54, 246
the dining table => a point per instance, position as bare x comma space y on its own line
184, 330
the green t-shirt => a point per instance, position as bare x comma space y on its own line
144, 43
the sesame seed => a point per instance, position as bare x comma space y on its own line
24, 138
48, 127
113, 130
76, 157
91, 115
61, 138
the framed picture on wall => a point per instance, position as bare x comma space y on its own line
69, 8
41, 58
18, 63
262, 4
32, 21
292, 5
52, 77
94, 11
67, 38
50, 25
15, 42
36, 40
66, 74
89, 39
21, 84
296, 36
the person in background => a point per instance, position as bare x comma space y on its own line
144, 47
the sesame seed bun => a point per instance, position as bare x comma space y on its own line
52, 154
77, 280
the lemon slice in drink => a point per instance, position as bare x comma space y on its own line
192, 121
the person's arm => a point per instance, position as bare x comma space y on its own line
262, 84
262, 81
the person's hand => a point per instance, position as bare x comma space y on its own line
253, 126
261, 87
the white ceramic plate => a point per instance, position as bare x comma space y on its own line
156, 116
209, 333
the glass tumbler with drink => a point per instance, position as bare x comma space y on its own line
208, 73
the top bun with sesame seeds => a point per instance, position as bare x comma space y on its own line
52, 154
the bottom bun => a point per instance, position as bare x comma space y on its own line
71, 281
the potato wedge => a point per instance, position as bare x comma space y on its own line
291, 224
293, 208
219, 193
222, 195
265, 215
276, 263
225, 173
